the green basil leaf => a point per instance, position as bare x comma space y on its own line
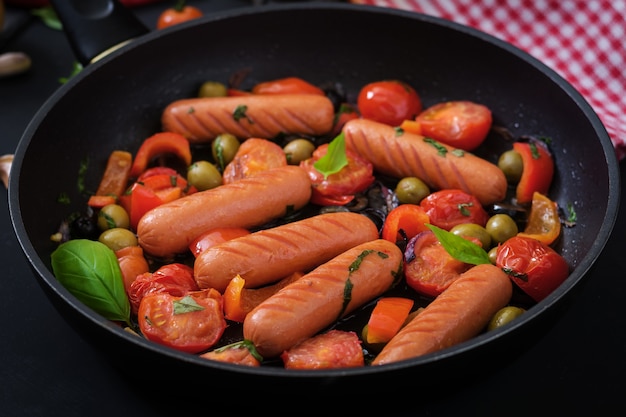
460, 248
335, 158
91, 272
186, 305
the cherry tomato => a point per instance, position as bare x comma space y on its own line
214, 237
428, 268
338, 188
178, 14
404, 222
333, 349
237, 353
389, 101
253, 155
461, 124
191, 323
289, 85
447, 208
535, 267
175, 279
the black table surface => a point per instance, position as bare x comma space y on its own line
46, 369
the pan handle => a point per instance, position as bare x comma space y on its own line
96, 27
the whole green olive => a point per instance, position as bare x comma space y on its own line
511, 163
501, 227
224, 148
203, 175
411, 190
212, 89
111, 216
118, 238
493, 253
298, 150
504, 315
473, 230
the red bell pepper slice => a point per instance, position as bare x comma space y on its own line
404, 222
158, 144
538, 170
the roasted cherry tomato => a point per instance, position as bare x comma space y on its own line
191, 323
338, 188
214, 237
254, 155
175, 279
333, 349
404, 222
289, 85
389, 101
428, 268
461, 124
447, 208
180, 13
535, 267
537, 172
239, 352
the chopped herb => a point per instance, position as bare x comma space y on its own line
82, 169
399, 131
186, 305
63, 198
242, 344
347, 296
463, 208
191, 110
240, 113
458, 152
533, 150
519, 275
460, 248
335, 158
441, 150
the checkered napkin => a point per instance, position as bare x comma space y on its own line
583, 41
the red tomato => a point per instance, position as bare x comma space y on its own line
389, 101
338, 188
177, 14
447, 208
253, 155
404, 222
333, 349
175, 279
236, 353
191, 323
289, 85
214, 237
428, 268
535, 267
461, 124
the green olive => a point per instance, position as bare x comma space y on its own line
118, 238
203, 175
510, 162
493, 253
224, 148
504, 315
111, 216
298, 150
212, 89
473, 230
411, 190
501, 227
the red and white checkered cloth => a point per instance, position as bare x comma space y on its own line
583, 41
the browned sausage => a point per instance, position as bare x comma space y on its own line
263, 116
329, 292
268, 255
170, 228
459, 313
438, 165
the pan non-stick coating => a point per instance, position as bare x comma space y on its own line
116, 103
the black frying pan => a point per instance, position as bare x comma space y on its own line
116, 102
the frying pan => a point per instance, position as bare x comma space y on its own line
115, 103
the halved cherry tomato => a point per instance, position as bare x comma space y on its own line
180, 13
537, 172
544, 223
389, 102
253, 155
191, 323
338, 188
428, 268
175, 279
288, 85
447, 208
461, 124
404, 222
214, 237
333, 349
238, 352
535, 267
158, 144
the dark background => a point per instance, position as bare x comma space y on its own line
576, 368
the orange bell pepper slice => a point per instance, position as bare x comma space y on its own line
158, 144
538, 170
411, 126
387, 318
544, 223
